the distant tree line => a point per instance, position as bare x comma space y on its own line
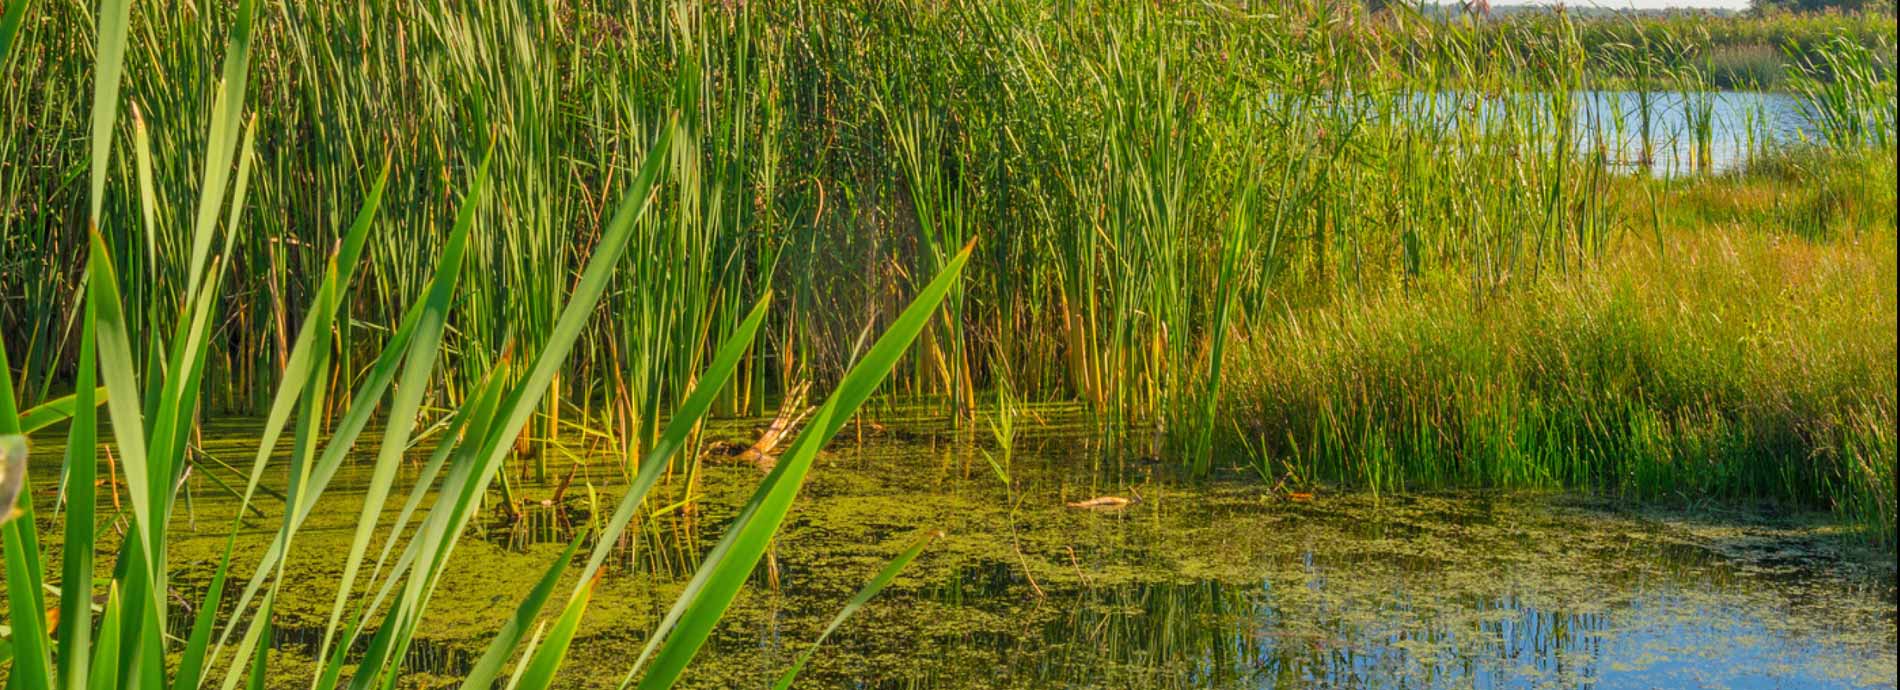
1586, 6
1764, 6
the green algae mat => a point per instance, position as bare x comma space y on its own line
1190, 584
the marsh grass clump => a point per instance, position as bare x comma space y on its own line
1746, 67
1735, 357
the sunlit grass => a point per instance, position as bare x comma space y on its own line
1738, 359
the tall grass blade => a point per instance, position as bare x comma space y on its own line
547, 656
491, 443
75, 601
10, 28
711, 382
725, 569
221, 141
56, 410
877, 584
30, 646
486, 668
115, 18
418, 367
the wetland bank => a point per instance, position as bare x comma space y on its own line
989, 343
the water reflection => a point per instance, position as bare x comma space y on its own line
1316, 627
1214, 588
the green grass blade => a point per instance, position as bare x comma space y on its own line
221, 143
105, 655
53, 411
322, 315
115, 18
116, 364
10, 27
82, 465
877, 584
481, 407
726, 569
248, 645
260, 662
475, 415
1239, 227
191, 664
32, 649
176, 414
486, 668
467, 482
710, 383
580, 304
514, 679
362, 406
547, 657
148, 195
418, 368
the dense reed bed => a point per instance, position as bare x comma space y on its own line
839, 151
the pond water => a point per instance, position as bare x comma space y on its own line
1740, 124
1216, 584
1654, 131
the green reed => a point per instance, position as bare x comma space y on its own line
839, 151
1852, 95
131, 646
842, 153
